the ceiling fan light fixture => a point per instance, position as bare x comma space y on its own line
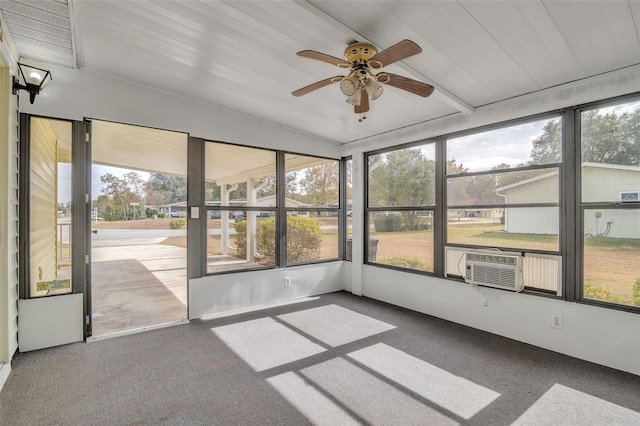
373, 89
355, 98
349, 85
361, 84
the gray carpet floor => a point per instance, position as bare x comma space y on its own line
336, 360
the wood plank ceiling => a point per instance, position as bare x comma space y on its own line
240, 55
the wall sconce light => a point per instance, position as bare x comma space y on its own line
34, 80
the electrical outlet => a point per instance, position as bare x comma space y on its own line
556, 321
287, 281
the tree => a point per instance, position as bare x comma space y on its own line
136, 186
612, 139
405, 177
547, 148
606, 138
457, 190
174, 185
320, 184
116, 196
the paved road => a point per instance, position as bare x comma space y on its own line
129, 237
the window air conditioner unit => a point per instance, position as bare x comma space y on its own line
494, 270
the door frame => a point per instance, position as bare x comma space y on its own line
80, 275
87, 152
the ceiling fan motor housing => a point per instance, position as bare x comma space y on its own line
357, 52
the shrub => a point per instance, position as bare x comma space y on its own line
177, 223
266, 239
303, 239
388, 223
636, 293
241, 238
407, 262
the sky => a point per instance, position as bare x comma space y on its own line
482, 151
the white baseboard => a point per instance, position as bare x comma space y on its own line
5, 369
136, 330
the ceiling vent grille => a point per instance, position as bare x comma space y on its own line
41, 30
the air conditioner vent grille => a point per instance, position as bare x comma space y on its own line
494, 270
491, 275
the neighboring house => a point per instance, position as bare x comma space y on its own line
270, 201
335, 204
494, 214
600, 182
174, 209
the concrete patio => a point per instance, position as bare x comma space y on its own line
137, 281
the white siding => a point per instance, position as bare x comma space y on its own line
9, 155
43, 179
600, 183
533, 220
612, 223
538, 220
605, 183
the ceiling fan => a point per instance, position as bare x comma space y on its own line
361, 83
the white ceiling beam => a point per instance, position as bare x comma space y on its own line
440, 93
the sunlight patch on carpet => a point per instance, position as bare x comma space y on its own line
264, 343
335, 325
313, 404
566, 406
453, 393
371, 398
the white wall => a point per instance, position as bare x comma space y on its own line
347, 276
50, 321
215, 294
599, 335
76, 94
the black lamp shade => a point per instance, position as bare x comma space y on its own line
34, 78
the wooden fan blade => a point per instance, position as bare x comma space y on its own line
395, 53
317, 85
324, 58
364, 103
414, 86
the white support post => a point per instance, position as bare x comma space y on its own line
251, 221
357, 208
224, 220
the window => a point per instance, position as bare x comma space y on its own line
502, 187
610, 176
400, 207
630, 197
48, 264
241, 203
244, 204
312, 204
